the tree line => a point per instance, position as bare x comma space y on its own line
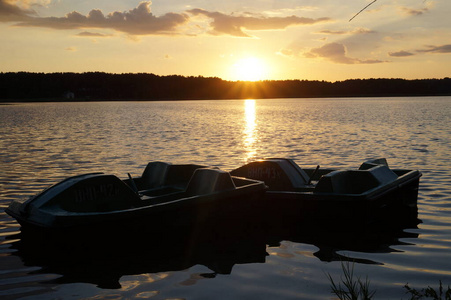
25, 86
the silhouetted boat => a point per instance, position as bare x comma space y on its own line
371, 194
165, 197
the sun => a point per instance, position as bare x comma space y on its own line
249, 69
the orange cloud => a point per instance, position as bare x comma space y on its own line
9, 12
351, 32
336, 53
401, 53
413, 12
92, 34
438, 49
223, 24
141, 21
137, 21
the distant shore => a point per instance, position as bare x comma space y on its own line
98, 86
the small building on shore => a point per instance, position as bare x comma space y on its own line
69, 95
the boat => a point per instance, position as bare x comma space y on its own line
166, 196
371, 194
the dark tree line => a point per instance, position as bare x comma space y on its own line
23, 86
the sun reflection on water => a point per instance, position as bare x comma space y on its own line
249, 133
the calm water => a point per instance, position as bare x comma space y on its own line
44, 143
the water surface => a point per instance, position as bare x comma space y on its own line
43, 143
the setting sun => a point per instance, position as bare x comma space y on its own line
249, 69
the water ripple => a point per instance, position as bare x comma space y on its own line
48, 142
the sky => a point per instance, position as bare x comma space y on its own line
232, 39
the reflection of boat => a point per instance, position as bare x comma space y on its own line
105, 260
342, 245
372, 193
165, 195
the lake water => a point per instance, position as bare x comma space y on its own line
42, 143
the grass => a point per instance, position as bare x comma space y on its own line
354, 288
429, 293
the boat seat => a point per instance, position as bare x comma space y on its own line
355, 181
373, 163
209, 180
176, 178
204, 181
179, 175
154, 175
279, 174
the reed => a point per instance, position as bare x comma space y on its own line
429, 292
351, 287
354, 288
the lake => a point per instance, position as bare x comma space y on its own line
42, 143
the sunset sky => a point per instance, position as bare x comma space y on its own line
233, 40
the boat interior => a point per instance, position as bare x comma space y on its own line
162, 182
285, 175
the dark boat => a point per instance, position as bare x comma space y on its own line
371, 194
165, 197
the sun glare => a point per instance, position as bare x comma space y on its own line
249, 69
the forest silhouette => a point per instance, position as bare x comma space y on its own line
97, 86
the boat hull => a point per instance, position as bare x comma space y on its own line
181, 215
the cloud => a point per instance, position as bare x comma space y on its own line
92, 34
438, 49
413, 12
223, 24
141, 21
401, 53
286, 52
29, 3
442, 49
285, 11
137, 21
336, 53
10, 12
352, 32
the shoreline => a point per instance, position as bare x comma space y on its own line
57, 100
81, 87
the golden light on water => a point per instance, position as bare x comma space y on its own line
249, 134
